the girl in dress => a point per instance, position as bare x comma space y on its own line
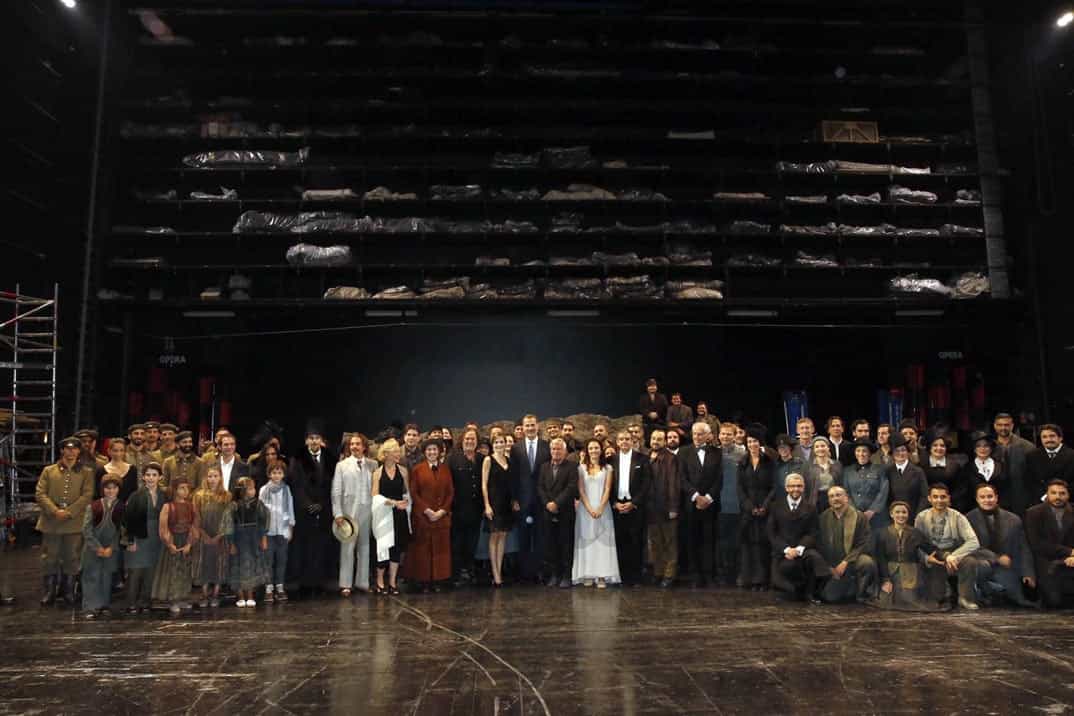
100, 555
213, 505
249, 543
500, 505
595, 557
141, 530
178, 534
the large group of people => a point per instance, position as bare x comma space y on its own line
901, 521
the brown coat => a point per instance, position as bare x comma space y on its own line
428, 559
59, 488
664, 495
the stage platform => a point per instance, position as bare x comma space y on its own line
532, 650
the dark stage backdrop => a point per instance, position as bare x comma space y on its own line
364, 379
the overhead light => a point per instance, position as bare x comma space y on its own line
918, 312
751, 313
208, 314
573, 314
70, 4
1065, 19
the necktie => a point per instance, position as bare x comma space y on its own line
794, 507
533, 453
1051, 456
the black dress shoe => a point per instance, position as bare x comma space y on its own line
6, 601
666, 583
552, 581
564, 583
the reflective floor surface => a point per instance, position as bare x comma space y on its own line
532, 650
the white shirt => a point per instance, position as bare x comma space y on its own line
986, 467
531, 444
1053, 453
794, 504
701, 455
901, 466
624, 477
225, 472
941, 462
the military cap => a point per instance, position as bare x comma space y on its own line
87, 433
71, 441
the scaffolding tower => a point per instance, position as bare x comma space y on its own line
28, 436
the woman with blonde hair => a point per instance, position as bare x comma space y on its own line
212, 503
391, 482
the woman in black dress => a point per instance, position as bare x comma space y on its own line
756, 480
500, 505
983, 467
390, 481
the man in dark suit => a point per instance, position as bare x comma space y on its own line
310, 478
906, 481
1050, 532
527, 456
630, 489
231, 465
701, 480
1054, 462
1005, 562
557, 490
792, 531
1013, 451
842, 449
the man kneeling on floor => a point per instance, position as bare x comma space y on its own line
953, 544
844, 541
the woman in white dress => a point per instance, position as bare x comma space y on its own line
595, 558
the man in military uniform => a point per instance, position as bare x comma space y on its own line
90, 456
152, 436
64, 491
184, 463
167, 446
137, 453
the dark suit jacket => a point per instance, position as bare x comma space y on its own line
846, 452
561, 489
910, 487
1040, 469
312, 484
526, 479
1010, 540
704, 480
1046, 539
790, 529
641, 479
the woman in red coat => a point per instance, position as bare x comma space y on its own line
428, 559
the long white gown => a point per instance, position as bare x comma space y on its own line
594, 539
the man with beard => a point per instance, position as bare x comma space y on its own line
90, 456
653, 406
678, 413
672, 440
184, 463
1050, 532
567, 433
844, 541
137, 454
600, 432
1013, 451
663, 509
704, 416
467, 506
310, 476
1054, 462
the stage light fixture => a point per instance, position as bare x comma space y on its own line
1065, 19
69, 4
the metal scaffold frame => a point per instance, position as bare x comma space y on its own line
28, 440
